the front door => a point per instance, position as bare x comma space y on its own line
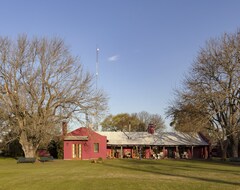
76, 151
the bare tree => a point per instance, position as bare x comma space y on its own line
213, 87
147, 118
41, 84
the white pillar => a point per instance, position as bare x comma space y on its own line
121, 152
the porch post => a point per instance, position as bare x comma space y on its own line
177, 153
192, 151
206, 152
121, 155
112, 152
164, 152
137, 153
150, 151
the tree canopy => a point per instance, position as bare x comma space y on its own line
42, 84
210, 98
132, 122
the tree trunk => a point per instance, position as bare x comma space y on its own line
224, 146
28, 147
234, 145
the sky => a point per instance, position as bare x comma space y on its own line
146, 47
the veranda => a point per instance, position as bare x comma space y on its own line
157, 152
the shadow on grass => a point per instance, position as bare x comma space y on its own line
154, 170
190, 164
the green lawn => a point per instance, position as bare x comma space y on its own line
119, 174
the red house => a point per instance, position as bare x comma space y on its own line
84, 144
155, 145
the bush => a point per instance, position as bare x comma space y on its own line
99, 160
55, 148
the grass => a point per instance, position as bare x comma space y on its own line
119, 174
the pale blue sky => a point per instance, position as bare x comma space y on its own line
146, 46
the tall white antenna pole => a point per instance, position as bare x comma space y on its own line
96, 114
97, 52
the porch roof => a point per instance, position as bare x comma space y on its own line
144, 138
76, 138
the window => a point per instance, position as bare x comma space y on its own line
96, 147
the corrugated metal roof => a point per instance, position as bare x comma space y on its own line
144, 138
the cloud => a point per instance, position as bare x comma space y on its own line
113, 58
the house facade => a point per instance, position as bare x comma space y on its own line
84, 143
156, 145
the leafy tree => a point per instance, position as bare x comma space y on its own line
132, 122
120, 122
41, 84
107, 124
213, 90
184, 114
